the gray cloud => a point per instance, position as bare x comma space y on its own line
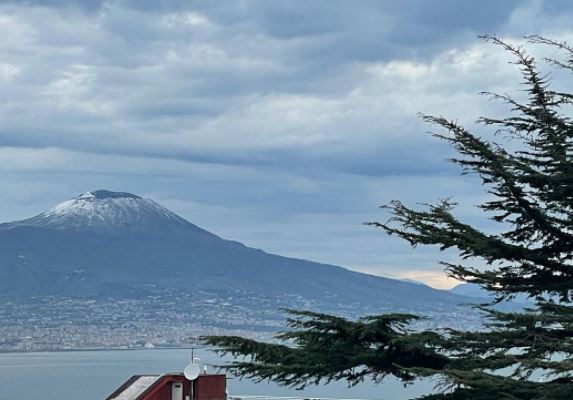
281, 124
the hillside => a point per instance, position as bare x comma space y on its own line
108, 243
125, 271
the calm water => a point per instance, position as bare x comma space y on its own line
93, 375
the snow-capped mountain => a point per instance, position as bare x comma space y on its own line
103, 209
106, 243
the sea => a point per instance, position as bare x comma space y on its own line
94, 375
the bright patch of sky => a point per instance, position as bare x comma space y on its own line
280, 124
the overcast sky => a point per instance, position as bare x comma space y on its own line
280, 124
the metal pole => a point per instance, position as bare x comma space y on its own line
191, 386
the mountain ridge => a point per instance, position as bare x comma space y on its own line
105, 243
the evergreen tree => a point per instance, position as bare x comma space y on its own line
531, 200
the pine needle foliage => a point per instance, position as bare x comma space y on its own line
325, 347
530, 186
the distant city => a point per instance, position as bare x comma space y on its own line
169, 320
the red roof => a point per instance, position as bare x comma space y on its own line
158, 387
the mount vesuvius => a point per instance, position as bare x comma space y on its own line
105, 243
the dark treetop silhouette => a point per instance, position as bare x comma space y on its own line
531, 198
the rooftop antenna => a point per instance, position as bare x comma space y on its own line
192, 369
191, 372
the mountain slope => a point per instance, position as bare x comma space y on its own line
471, 290
106, 243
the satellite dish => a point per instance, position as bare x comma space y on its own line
191, 371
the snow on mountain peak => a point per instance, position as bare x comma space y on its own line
108, 210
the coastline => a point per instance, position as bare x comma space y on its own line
96, 349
